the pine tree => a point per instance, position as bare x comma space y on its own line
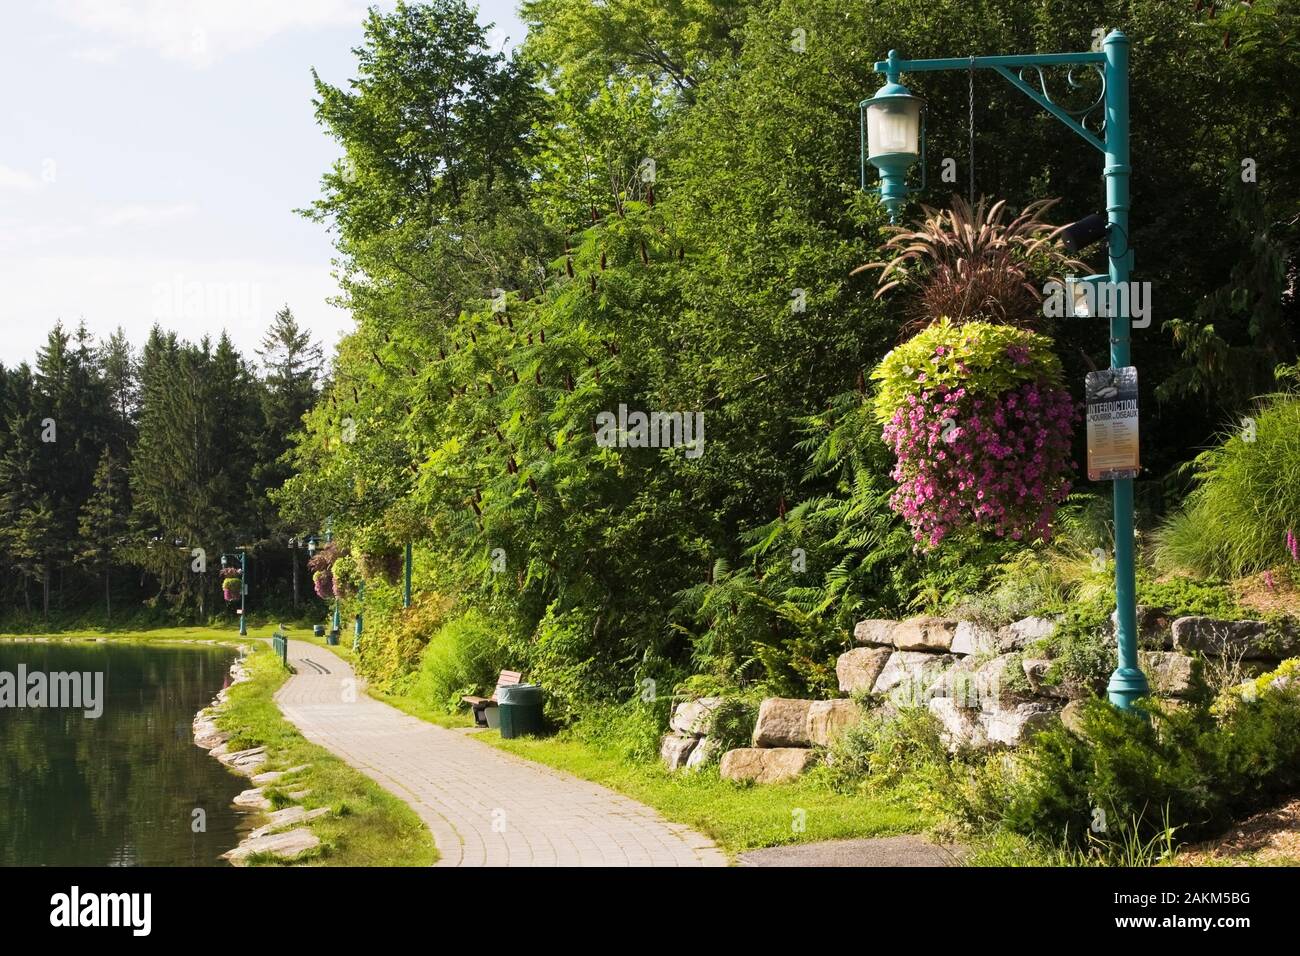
121, 374
102, 523
21, 479
291, 363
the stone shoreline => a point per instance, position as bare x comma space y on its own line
271, 837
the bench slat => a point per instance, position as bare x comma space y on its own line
504, 679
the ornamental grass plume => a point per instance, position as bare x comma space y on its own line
964, 263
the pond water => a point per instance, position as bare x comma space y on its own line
120, 789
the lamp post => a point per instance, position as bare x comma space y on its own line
406, 582
356, 633
293, 561
243, 588
891, 128
336, 623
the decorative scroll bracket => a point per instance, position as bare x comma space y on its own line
1012, 69
1073, 119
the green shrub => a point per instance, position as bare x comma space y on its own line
564, 660
1188, 769
734, 720
464, 656
1235, 522
630, 730
1082, 648
897, 750
1184, 597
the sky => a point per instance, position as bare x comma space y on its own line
151, 155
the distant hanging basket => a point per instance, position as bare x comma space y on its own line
230, 588
385, 565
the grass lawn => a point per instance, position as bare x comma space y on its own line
185, 633
368, 825
736, 816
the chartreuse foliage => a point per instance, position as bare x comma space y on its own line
983, 358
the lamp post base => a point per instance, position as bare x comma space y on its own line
243, 626
1127, 684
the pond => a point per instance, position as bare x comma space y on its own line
122, 788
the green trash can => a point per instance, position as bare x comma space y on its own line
520, 710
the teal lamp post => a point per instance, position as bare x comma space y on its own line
243, 588
893, 139
406, 577
361, 608
336, 622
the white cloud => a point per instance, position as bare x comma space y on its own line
199, 32
20, 234
102, 54
11, 178
145, 214
44, 229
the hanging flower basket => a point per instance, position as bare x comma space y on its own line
230, 587
980, 426
323, 584
385, 565
345, 577
324, 557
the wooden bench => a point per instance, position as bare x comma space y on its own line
481, 704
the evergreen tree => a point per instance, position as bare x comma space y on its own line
21, 480
102, 523
121, 373
291, 362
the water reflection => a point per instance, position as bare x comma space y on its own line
120, 790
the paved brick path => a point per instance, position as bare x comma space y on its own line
484, 807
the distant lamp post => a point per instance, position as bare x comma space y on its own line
406, 576
356, 633
294, 544
336, 623
894, 137
226, 561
